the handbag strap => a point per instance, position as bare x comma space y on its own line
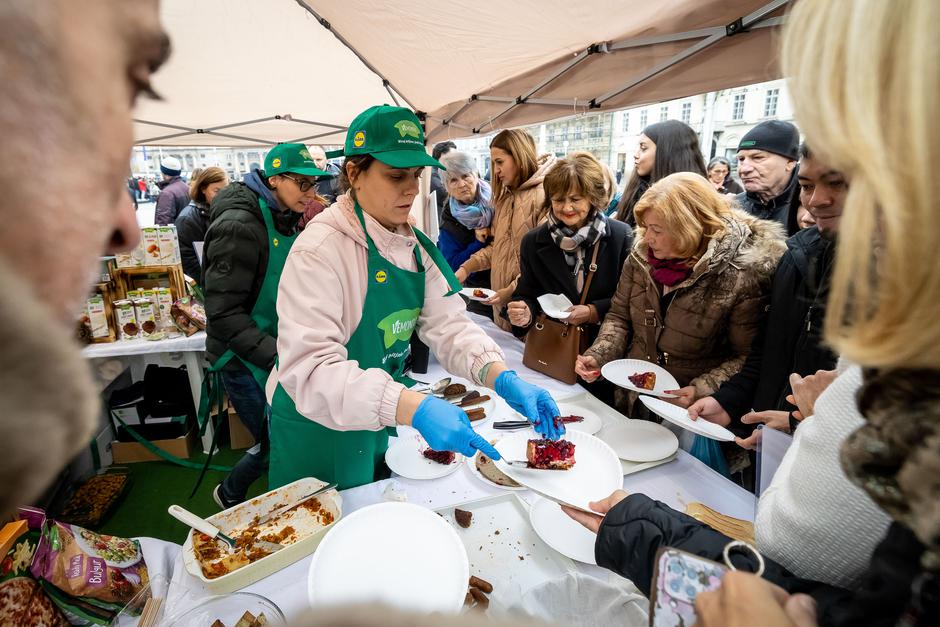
591, 270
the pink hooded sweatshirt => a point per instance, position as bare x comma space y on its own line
319, 305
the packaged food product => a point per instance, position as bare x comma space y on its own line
150, 293
89, 576
94, 499
97, 318
131, 259
188, 315
126, 319
146, 316
150, 241
22, 600
134, 294
164, 299
169, 244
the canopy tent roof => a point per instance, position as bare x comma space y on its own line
245, 72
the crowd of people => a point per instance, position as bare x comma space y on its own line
803, 301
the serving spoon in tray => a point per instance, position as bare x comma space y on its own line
204, 526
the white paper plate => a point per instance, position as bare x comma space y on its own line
680, 417
472, 465
591, 424
559, 531
640, 440
396, 553
404, 458
555, 305
468, 292
597, 471
617, 372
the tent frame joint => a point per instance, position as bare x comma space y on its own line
735, 28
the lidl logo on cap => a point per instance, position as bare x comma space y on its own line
276, 162
359, 139
399, 326
306, 154
381, 277
407, 127
274, 241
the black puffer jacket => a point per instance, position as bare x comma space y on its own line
236, 258
780, 208
893, 587
790, 336
191, 226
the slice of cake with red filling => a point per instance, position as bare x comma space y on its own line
550, 454
441, 457
643, 380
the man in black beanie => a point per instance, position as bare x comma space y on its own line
767, 167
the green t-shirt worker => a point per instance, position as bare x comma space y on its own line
357, 284
253, 225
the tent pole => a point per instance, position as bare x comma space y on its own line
326, 24
746, 22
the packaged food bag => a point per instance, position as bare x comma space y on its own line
188, 315
89, 576
22, 600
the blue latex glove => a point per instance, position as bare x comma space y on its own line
445, 427
532, 402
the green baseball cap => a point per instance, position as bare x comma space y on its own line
291, 158
393, 135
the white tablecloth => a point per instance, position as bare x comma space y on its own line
677, 483
122, 348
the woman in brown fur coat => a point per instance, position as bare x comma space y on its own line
692, 291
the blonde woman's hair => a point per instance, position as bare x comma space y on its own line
521, 147
865, 83
204, 178
692, 212
581, 172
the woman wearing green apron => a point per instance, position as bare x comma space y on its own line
253, 225
357, 283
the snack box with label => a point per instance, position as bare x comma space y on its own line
97, 316
164, 298
146, 316
150, 241
126, 319
169, 244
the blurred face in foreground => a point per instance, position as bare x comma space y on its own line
72, 73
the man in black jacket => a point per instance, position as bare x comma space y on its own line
790, 338
437, 185
767, 168
252, 227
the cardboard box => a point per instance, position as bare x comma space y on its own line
239, 435
126, 319
97, 316
164, 303
131, 452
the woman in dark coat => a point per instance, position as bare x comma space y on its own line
556, 256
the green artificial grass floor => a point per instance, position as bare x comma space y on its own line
157, 485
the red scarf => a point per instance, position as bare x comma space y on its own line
668, 271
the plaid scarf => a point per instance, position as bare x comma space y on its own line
574, 244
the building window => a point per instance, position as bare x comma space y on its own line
644, 117
687, 112
664, 113
626, 121
770, 102
577, 132
737, 108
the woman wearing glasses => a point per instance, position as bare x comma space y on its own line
252, 227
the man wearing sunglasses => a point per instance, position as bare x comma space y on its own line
252, 226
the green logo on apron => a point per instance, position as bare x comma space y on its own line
399, 325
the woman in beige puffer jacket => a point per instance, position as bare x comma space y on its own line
519, 208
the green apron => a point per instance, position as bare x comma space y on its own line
264, 315
301, 447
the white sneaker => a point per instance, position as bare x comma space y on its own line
217, 497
